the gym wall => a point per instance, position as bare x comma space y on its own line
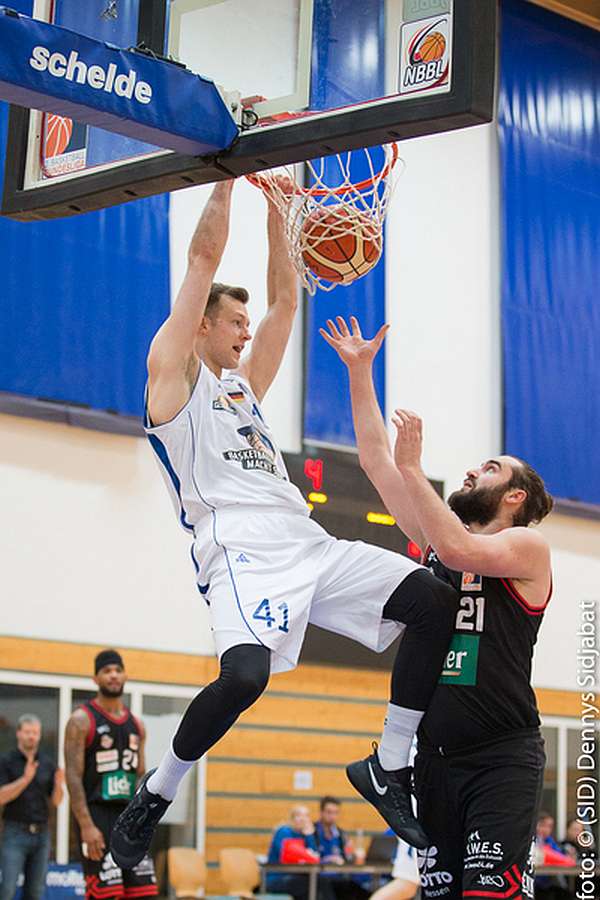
92, 550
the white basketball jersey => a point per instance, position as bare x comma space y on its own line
218, 451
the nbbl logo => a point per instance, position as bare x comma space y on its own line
425, 53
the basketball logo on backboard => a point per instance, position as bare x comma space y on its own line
425, 55
64, 147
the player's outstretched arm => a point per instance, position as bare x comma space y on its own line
371, 436
518, 553
172, 361
273, 332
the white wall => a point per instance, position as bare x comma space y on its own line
442, 272
91, 549
575, 547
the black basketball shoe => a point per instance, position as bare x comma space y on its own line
390, 794
133, 830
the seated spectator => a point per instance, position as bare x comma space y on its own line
292, 844
405, 876
332, 843
549, 887
572, 844
335, 848
577, 849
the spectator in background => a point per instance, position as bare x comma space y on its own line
549, 887
571, 844
29, 783
332, 843
293, 843
577, 848
405, 876
335, 848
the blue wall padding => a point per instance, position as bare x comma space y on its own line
341, 76
549, 117
81, 299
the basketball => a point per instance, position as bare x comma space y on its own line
339, 244
432, 47
58, 134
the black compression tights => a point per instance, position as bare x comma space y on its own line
424, 603
243, 677
428, 607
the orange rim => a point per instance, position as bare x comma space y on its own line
255, 179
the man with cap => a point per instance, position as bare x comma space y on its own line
104, 758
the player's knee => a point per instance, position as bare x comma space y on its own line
249, 685
423, 601
245, 674
443, 598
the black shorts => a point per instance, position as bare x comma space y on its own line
103, 878
479, 809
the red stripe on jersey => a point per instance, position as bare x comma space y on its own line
151, 890
93, 885
510, 877
93, 889
118, 720
132, 888
523, 603
92, 730
101, 893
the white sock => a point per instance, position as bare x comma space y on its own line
171, 770
399, 729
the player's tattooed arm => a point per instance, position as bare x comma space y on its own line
141, 768
75, 737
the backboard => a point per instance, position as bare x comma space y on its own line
314, 77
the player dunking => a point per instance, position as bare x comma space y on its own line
480, 761
265, 568
104, 757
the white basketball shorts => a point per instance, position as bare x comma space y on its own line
267, 573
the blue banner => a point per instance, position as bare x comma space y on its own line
57, 70
549, 119
341, 76
62, 883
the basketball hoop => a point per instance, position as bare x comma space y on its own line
334, 228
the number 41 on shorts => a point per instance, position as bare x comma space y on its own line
281, 617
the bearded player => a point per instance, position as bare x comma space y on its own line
265, 568
104, 757
480, 761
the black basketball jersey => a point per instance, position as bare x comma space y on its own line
111, 755
484, 691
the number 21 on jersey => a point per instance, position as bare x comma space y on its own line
470, 616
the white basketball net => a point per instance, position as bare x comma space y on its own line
350, 209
